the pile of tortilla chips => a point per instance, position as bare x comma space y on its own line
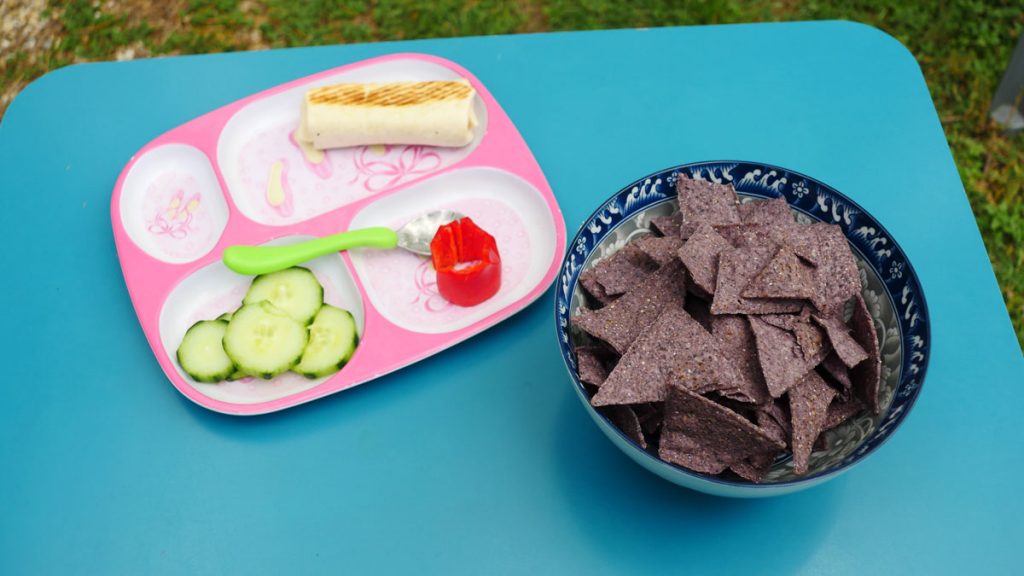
724, 339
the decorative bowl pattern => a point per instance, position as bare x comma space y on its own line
891, 290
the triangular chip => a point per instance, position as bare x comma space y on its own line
754, 468
644, 371
867, 375
588, 279
735, 270
736, 341
785, 276
838, 371
782, 361
620, 322
840, 411
837, 276
660, 250
622, 270
700, 254
700, 310
848, 350
591, 365
625, 419
808, 407
667, 225
706, 437
774, 420
650, 415
704, 201
774, 211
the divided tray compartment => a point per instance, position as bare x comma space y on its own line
237, 176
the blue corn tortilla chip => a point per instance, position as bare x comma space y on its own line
621, 321
801, 239
650, 415
844, 345
704, 201
661, 250
808, 406
774, 419
736, 341
867, 375
588, 279
782, 360
814, 347
625, 419
591, 365
736, 268
706, 437
700, 254
836, 274
667, 225
840, 411
785, 276
699, 309
622, 270
838, 372
673, 348
754, 468
774, 211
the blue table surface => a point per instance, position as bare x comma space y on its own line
480, 459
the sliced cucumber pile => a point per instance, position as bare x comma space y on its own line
283, 325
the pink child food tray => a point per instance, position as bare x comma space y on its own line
237, 176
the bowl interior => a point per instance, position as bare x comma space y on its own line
891, 291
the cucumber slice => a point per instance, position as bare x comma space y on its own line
201, 353
236, 375
332, 339
225, 316
294, 290
263, 340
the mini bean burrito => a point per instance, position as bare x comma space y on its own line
434, 113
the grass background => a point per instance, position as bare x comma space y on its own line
963, 47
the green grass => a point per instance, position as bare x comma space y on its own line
963, 47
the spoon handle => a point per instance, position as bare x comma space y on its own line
267, 259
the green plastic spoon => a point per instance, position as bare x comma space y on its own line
414, 237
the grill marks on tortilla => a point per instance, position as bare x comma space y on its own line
394, 94
757, 359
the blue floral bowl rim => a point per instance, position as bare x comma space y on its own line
825, 474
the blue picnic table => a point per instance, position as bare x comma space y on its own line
480, 459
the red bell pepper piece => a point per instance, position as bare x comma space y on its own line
467, 262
